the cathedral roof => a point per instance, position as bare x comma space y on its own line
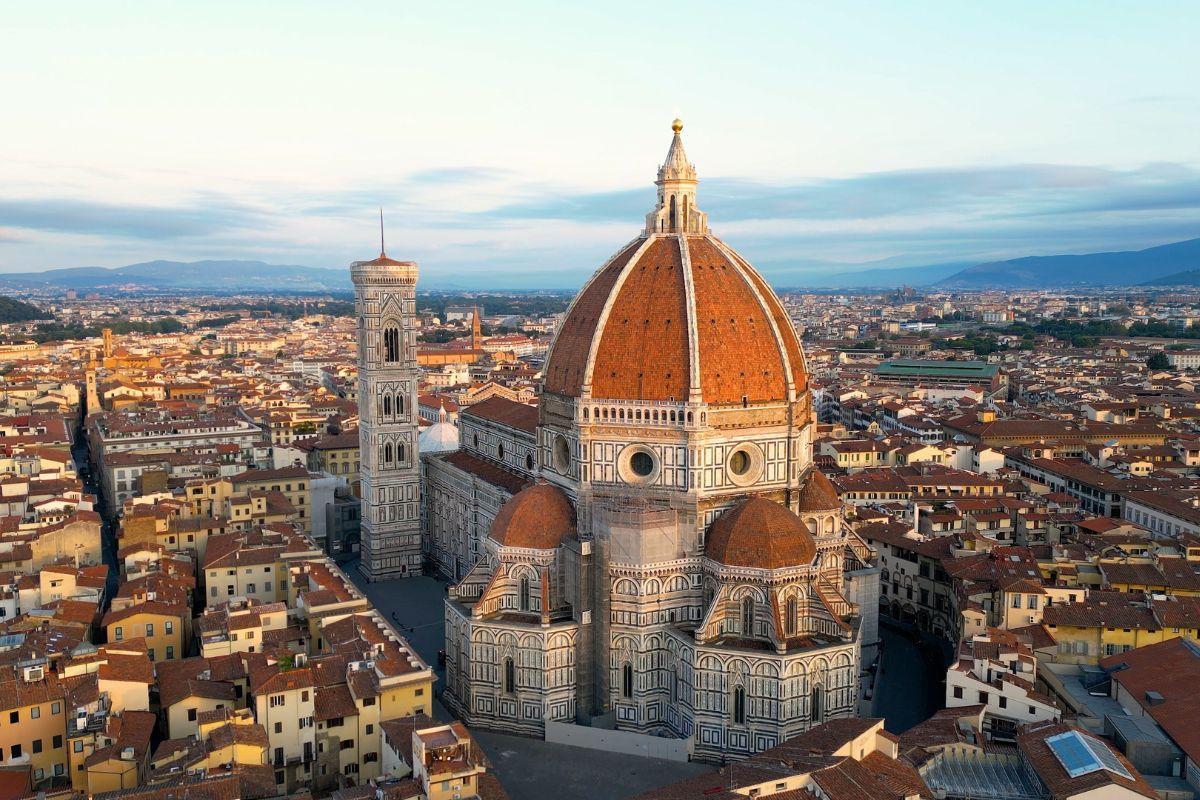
818, 494
536, 517
762, 534
677, 315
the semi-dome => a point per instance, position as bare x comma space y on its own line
677, 315
441, 436
536, 517
818, 493
762, 534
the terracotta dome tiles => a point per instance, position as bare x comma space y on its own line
567, 363
643, 352
818, 493
760, 534
744, 339
537, 517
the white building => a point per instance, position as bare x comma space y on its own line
664, 553
996, 671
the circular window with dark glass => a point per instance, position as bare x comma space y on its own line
562, 454
642, 463
739, 462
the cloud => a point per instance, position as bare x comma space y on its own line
209, 216
477, 225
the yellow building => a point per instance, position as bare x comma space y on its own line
292, 482
1108, 623
166, 627
123, 754
33, 722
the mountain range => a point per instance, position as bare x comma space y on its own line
1175, 264
1124, 268
187, 276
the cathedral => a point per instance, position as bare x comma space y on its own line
651, 549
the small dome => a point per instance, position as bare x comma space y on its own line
761, 534
440, 437
536, 517
818, 493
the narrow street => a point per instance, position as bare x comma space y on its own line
108, 533
911, 680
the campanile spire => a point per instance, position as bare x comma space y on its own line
676, 211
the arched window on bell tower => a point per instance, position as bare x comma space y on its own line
391, 344
387, 454
387, 405
400, 404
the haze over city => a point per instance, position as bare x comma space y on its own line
512, 149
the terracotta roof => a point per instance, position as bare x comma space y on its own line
818, 494
760, 533
633, 315
538, 518
486, 471
506, 412
1056, 779
1172, 669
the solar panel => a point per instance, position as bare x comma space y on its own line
1081, 754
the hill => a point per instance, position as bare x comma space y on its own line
193, 275
1122, 268
1190, 277
16, 311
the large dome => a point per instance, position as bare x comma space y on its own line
677, 315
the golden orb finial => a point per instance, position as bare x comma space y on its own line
677, 125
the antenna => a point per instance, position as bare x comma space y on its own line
382, 249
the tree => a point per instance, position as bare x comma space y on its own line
1158, 361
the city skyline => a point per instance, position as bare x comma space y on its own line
824, 139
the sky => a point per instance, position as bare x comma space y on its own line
515, 144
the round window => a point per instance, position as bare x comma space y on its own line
642, 463
562, 453
745, 464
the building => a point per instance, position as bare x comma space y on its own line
997, 671
942, 374
385, 296
678, 565
1159, 681
839, 760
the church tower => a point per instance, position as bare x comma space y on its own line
385, 304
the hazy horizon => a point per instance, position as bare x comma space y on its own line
518, 142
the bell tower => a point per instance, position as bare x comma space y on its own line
385, 305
